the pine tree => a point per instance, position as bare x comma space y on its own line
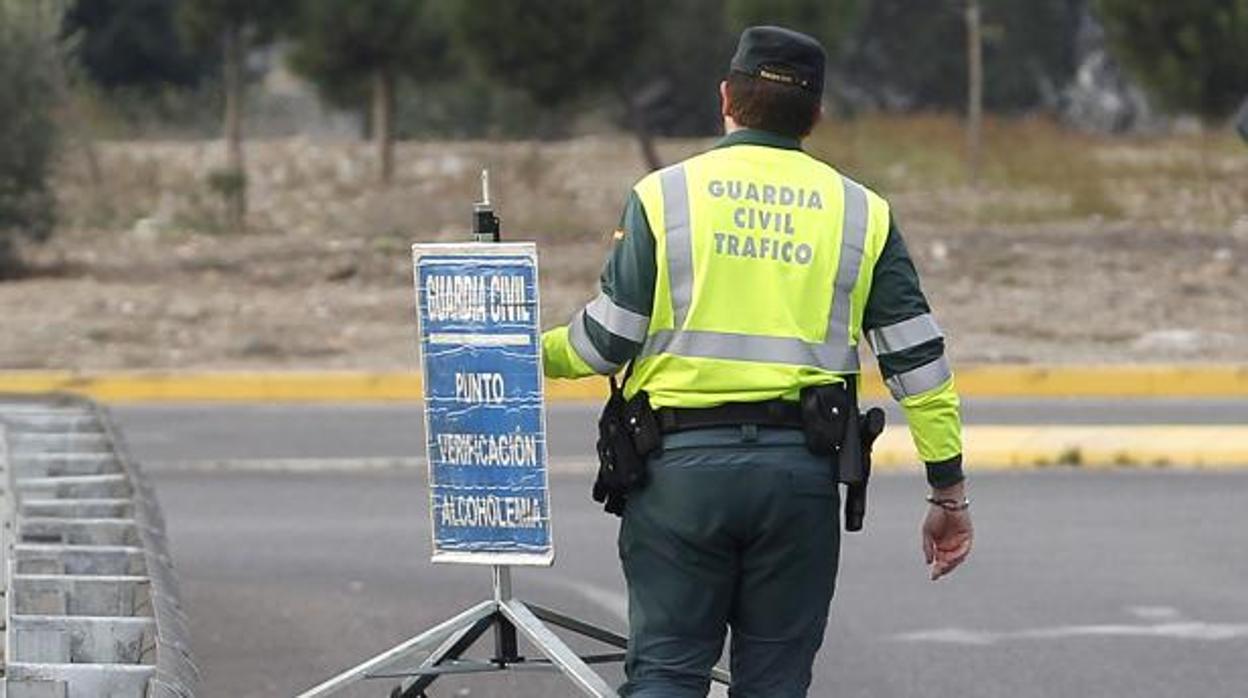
344, 44
1192, 55
236, 26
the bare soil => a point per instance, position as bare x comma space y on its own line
1019, 269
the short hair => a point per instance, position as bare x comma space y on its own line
756, 102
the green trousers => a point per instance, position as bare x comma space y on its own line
736, 529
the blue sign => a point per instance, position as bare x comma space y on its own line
485, 421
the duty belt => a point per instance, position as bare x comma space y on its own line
769, 413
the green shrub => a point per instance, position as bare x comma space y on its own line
27, 133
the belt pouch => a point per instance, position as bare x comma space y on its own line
825, 411
627, 433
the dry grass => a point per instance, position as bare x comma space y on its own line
1035, 172
1070, 248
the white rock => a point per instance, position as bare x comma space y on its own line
147, 229
1180, 340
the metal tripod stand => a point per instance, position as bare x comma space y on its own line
508, 617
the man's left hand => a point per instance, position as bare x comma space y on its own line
947, 534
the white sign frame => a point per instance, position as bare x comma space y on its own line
526, 251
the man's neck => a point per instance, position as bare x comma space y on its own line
731, 127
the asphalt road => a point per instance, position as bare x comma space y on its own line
170, 434
1081, 584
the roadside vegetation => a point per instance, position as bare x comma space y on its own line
1034, 172
237, 185
1069, 248
28, 89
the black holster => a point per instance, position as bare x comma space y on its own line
835, 428
628, 433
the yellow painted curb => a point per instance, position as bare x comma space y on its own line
247, 386
1154, 380
1016, 448
1139, 380
277, 386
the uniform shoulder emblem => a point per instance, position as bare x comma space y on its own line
619, 234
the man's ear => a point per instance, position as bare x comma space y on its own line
724, 98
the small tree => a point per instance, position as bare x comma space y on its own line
1192, 55
342, 44
28, 86
560, 52
132, 43
235, 26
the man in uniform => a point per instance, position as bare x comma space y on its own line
738, 278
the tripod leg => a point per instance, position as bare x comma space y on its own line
577, 626
603, 635
559, 653
453, 648
417, 644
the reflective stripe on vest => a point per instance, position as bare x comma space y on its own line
679, 242
853, 241
618, 320
917, 381
834, 354
905, 334
578, 337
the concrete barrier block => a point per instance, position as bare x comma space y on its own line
88, 680
91, 640
81, 596
76, 486
80, 560
57, 441
40, 601
36, 689
42, 644
80, 531
63, 464
77, 508
94, 605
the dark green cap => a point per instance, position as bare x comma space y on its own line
781, 55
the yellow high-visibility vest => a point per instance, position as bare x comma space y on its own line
764, 259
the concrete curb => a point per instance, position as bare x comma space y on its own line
1104, 381
94, 607
988, 448
1103, 446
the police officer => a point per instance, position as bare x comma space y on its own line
738, 278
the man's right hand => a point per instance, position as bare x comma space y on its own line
947, 534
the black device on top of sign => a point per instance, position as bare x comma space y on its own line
485, 225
